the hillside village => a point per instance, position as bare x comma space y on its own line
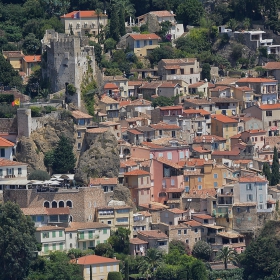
172, 150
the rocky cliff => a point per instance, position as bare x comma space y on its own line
100, 158
31, 150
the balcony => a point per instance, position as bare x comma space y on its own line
89, 237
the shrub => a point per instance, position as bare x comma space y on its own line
202, 250
114, 275
8, 98
35, 111
71, 90
39, 175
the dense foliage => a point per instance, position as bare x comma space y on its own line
39, 175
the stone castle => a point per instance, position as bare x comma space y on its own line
67, 59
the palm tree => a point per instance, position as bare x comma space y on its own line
150, 262
126, 6
226, 254
232, 24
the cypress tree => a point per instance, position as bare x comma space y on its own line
122, 22
114, 24
275, 169
266, 171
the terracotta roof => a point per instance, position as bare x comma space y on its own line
114, 78
6, 162
201, 150
255, 131
34, 211
97, 130
81, 115
136, 83
168, 85
178, 107
134, 131
136, 172
176, 211
202, 194
227, 81
125, 103
108, 100
270, 106
193, 223
219, 88
169, 67
272, 65
128, 163
165, 126
109, 123
87, 225
237, 136
233, 152
151, 36
137, 241
244, 161
49, 228
58, 211
194, 162
153, 234
145, 213
140, 102
207, 139
83, 14
223, 119
9, 54
230, 234
103, 181
163, 13
32, 58
154, 206
6, 143
196, 111
201, 101
151, 85
256, 80
244, 88
178, 60
202, 216
94, 259
250, 179
111, 86
169, 162
151, 145
196, 85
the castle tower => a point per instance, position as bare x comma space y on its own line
24, 122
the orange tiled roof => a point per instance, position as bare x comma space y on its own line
162, 13
139, 102
201, 150
97, 130
6, 162
58, 211
32, 58
111, 86
194, 162
249, 179
34, 211
178, 60
103, 181
255, 131
165, 126
137, 241
219, 88
6, 143
151, 145
94, 259
201, 101
245, 88
167, 85
255, 80
233, 152
86, 225
272, 65
136, 172
9, 54
125, 103
237, 136
127, 163
168, 162
134, 131
196, 85
207, 138
153, 234
80, 115
47, 228
202, 112
193, 223
108, 100
151, 36
202, 216
270, 106
136, 83
223, 119
178, 107
83, 14
177, 211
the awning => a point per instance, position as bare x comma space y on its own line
22, 182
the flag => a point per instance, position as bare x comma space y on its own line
76, 15
13, 103
16, 102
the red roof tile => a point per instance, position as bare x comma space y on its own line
233, 152
103, 181
208, 139
193, 223
196, 85
125, 103
168, 162
83, 14
111, 86
6, 162
32, 58
255, 80
94, 259
127, 163
165, 126
170, 67
202, 216
5, 143
137, 241
58, 211
151, 36
176, 211
272, 65
136, 172
167, 85
201, 150
223, 119
108, 100
202, 112
255, 131
270, 106
134, 131
151, 145
237, 136
80, 115
136, 83
97, 130
249, 179
219, 88
163, 13
179, 107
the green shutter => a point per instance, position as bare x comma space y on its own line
60, 233
104, 231
54, 234
46, 248
60, 246
90, 234
98, 242
54, 246
82, 235
84, 245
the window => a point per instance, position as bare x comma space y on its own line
70, 235
150, 42
109, 222
46, 234
79, 146
84, 245
108, 268
260, 187
46, 248
187, 241
199, 179
122, 211
79, 134
261, 198
181, 154
60, 233
173, 133
82, 235
199, 187
226, 127
248, 187
160, 155
54, 204
122, 220
46, 203
215, 184
249, 197
195, 230
169, 155
19, 171
69, 204
179, 232
54, 234
186, 179
191, 71
54, 246
101, 268
91, 244
268, 113
2, 152
137, 44
90, 234
105, 231
145, 42
215, 176
185, 231
1, 172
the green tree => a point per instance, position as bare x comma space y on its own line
31, 44
97, 51
64, 159
40, 175
179, 245
198, 270
17, 242
49, 159
205, 73
71, 89
119, 240
150, 263
122, 30
109, 44
104, 250
114, 24
266, 171
202, 250
162, 101
114, 275
226, 254
190, 12
126, 6
232, 24
275, 169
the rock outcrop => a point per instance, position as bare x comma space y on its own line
31, 150
100, 158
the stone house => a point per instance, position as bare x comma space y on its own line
268, 114
149, 89
220, 92
120, 81
209, 142
196, 232
141, 221
111, 90
137, 247
166, 130
83, 22
113, 127
110, 107
139, 184
226, 106
107, 184
138, 107
133, 87
116, 216
30, 61
273, 69
155, 239
245, 95
201, 87
100, 266
223, 126
197, 104
142, 74
173, 216
169, 89
255, 135
134, 136
186, 69
142, 44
